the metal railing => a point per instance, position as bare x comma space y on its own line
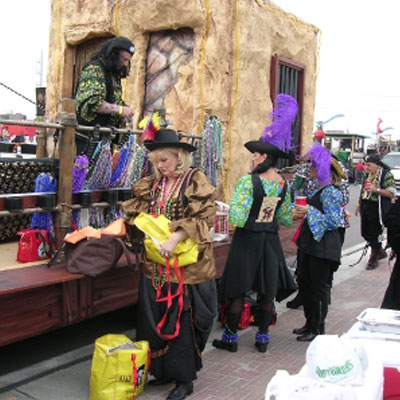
67, 125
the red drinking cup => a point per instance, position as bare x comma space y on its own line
301, 200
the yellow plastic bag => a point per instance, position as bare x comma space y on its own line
157, 231
119, 368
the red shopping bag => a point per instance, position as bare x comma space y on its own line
245, 318
33, 245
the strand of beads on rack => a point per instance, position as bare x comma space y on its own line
119, 167
79, 173
92, 163
208, 156
119, 178
137, 166
97, 218
101, 176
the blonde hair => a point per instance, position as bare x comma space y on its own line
183, 156
336, 180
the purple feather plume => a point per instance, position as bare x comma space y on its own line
321, 159
279, 133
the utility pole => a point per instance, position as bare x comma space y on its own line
39, 70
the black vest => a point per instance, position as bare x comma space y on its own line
329, 247
258, 195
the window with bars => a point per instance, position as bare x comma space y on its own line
287, 76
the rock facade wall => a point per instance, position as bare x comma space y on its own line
228, 74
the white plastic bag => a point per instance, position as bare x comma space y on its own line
336, 360
283, 386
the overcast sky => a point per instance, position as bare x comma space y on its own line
359, 58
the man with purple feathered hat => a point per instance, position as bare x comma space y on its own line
260, 202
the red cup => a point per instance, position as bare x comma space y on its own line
367, 184
301, 200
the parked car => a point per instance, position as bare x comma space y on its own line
392, 159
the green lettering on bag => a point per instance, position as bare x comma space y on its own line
335, 370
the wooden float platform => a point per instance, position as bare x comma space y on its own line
35, 299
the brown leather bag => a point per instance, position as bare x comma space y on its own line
92, 256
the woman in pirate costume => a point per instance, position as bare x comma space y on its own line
184, 196
318, 240
256, 261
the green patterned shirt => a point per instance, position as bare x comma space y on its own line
387, 184
242, 200
92, 92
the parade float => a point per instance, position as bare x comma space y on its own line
213, 69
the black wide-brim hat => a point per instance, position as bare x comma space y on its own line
265, 148
167, 138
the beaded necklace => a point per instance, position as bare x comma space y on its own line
163, 197
79, 173
158, 277
161, 204
101, 176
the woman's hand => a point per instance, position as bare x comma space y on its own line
301, 210
357, 211
167, 248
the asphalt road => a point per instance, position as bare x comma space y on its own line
353, 235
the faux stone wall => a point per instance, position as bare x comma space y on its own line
223, 67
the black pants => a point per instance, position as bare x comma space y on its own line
314, 288
370, 225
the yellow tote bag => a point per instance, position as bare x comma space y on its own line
119, 368
157, 231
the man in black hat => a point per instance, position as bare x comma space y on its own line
99, 93
376, 194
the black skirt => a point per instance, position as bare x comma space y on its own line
179, 358
256, 263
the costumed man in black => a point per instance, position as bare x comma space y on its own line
377, 191
99, 92
256, 261
319, 242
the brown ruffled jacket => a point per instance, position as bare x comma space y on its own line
195, 219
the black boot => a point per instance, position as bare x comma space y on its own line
381, 253
181, 390
230, 338
262, 336
301, 331
295, 303
160, 381
373, 258
313, 316
262, 340
308, 314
